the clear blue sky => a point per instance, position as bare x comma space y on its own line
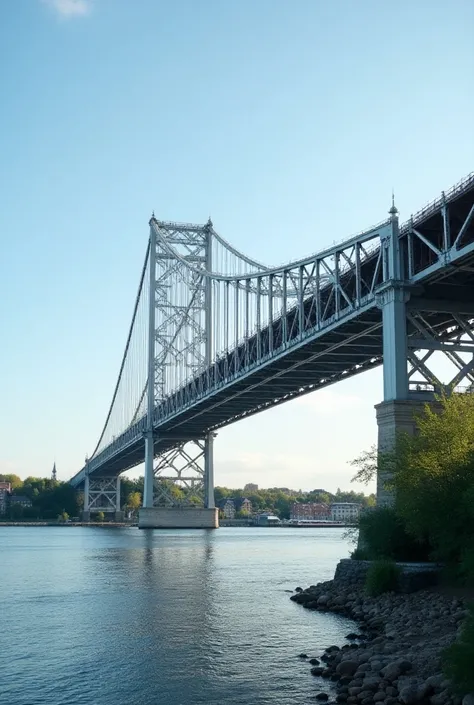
288, 121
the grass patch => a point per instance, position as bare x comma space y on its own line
382, 576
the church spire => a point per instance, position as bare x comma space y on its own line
53, 474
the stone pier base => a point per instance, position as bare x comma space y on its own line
178, 518
86, 516
394, 417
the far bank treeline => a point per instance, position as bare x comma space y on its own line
51, 498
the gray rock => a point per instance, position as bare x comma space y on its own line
318, 671
347, 668
314, 661
440, 698
409, 695
322, 696
364, 695
355, 690
405, 665
371, 683
391, 672
341, 697
435, 681
323, 600
379, 696
468, 699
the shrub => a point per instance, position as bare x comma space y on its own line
382, 576
384, 536
360, 554
434, 480
458, 659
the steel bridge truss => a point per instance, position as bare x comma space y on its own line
457, 347
217, 317
102, 494
185, 485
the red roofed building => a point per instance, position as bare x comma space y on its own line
309, 510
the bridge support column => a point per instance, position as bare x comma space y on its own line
209, 502
149, 470
86, 515
118, 510
395, 413
403, 399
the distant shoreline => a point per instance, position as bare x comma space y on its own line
123, 525
104, 524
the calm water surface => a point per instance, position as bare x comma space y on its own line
129, 617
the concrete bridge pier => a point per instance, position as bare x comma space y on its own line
175, 515
393, 417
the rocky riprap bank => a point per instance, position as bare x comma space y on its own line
395, 655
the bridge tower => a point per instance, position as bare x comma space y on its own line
179, 472
410, 341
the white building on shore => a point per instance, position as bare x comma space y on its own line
345, 511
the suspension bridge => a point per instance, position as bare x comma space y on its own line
217, 336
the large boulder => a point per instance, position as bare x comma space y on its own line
440, 698
434, 682
391, 672
347, 668
413, 693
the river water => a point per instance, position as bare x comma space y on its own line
129, 617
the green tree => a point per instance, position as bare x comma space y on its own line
16, 512
134, 502
64, 516
15, 481
100, 516
366, 465
434, 480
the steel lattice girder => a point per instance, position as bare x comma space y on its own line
103, 494
185, 462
